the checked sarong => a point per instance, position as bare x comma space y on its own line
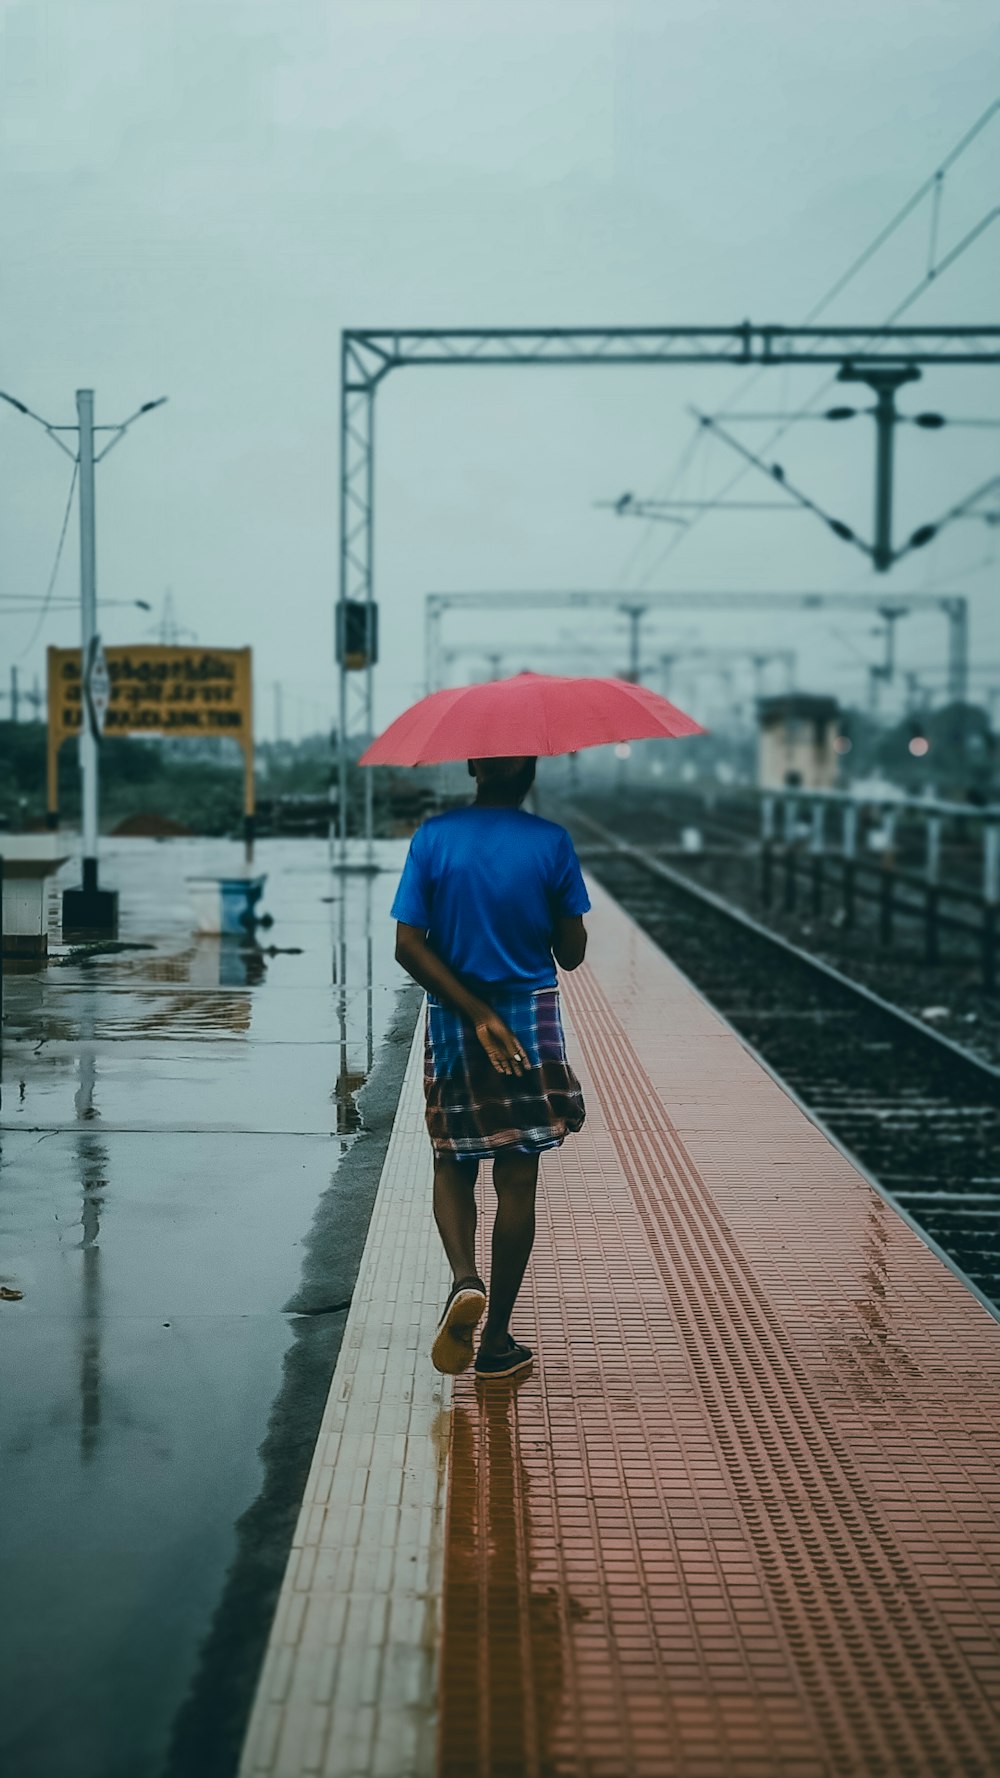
472, 1110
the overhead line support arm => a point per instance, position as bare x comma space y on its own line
369, 354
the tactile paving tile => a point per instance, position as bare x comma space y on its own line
348, 1684
743, 1520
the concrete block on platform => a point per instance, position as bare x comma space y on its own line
28, 860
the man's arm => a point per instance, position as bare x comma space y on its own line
417, 958
569, 941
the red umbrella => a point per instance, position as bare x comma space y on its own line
532, 713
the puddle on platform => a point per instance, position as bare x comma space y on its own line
175, 1131
506, 1643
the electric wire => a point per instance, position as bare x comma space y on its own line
963, 508
775, 473
681, 464
804, 412
939, 421
47, 600
906, 210
966, 573
931, 185
943, 265
959, 511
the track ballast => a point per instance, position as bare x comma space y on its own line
921, 1115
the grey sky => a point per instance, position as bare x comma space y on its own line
198, 196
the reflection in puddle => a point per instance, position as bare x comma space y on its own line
152, 1328
93, 1161
93, 1181
351, 1078
503, 1650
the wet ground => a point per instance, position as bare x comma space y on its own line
190, 1141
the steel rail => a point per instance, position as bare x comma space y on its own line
848, 1134
707, 897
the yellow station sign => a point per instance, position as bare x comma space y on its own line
157, 690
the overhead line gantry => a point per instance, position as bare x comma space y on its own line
952, 606
368, 355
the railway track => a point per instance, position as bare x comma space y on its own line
920, 1114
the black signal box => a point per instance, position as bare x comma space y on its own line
356, 633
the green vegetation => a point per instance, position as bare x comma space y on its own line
199, 785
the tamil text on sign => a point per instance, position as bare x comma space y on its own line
158, 690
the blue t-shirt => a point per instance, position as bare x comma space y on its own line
487, 886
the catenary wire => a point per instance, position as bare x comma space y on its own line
835, 289
47, 601
779, 432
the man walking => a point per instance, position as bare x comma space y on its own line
490, 900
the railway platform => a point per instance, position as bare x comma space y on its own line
742, 1520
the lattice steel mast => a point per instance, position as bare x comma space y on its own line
369, 355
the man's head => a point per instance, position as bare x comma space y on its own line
505, 780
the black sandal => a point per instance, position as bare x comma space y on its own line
503, 1364
452, 1348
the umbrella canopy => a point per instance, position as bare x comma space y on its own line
532, 713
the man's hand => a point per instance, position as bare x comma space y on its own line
500, 1044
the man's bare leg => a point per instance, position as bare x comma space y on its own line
455, 1212
515, 1177
455, 1215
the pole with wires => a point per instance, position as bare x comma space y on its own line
89, 911
635, 615
884, 381
89, 764
932, 188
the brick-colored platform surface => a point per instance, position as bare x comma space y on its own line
743, 1519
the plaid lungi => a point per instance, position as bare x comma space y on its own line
472, 1110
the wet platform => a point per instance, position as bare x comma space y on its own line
191, 1136
743, 1518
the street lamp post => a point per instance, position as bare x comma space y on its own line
106, 911
88, 911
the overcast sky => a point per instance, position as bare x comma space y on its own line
199, 194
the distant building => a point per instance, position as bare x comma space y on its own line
795, 742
